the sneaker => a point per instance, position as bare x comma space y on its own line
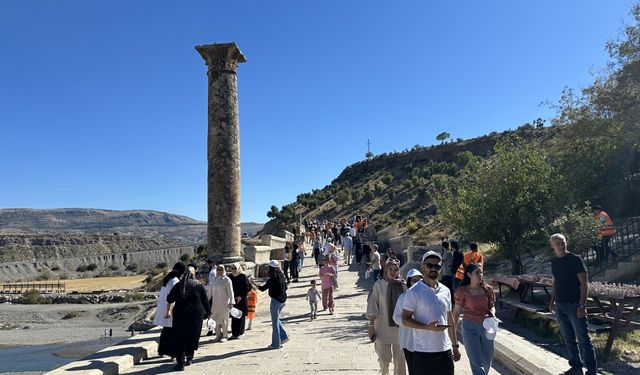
188, 361
223, 340
209, 333
573, 371
273, 347
233, 338
283, 341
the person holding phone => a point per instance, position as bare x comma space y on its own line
427, 309
477, 299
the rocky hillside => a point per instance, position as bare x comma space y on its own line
138, 223
397, 188
51, 247
36, 243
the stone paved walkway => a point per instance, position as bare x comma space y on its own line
331, 344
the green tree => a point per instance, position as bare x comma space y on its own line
273, 212
369, 155
442, 137
506, 199
578, 226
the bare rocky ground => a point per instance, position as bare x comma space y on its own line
45, 324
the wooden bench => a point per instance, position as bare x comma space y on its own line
592, 327
519, 305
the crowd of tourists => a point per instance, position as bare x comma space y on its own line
412, 321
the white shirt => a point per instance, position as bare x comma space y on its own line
161, 307
406, 333
428, 305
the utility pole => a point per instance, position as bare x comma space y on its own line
368, 148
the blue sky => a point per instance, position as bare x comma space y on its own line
103, 104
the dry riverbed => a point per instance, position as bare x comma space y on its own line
47, 324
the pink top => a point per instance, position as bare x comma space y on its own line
327, 280
476, 307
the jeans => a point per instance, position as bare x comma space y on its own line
478, 348
300, 262
277, 330
573, 329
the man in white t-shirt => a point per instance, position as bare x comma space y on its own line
427, 309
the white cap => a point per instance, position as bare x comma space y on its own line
414, 272
274, 263
431, 253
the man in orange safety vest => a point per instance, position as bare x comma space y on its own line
606, 231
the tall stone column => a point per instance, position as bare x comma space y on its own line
223, 152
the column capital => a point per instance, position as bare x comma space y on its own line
221, 56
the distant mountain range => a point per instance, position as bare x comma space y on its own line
45, 244
89, 221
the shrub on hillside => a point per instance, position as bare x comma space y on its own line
55, 268
33, 297
92, 267
369, 195
387, 178
114, 267
81, 268
161, 265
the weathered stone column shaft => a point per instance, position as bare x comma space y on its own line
223, 151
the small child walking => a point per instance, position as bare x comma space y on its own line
252, 301
312, 297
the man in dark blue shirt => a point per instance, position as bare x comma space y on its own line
568, 300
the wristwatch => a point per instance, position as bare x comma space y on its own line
456, 345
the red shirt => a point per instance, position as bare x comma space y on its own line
476, 307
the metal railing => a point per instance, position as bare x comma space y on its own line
624, 244
43, 287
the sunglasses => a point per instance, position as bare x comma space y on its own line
431, 265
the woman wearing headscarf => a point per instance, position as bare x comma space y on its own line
406, 333
383, 330
277, 286
241, 288
191, 306
221, 292
165, 346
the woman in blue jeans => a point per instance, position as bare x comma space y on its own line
477, 300
277, 286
